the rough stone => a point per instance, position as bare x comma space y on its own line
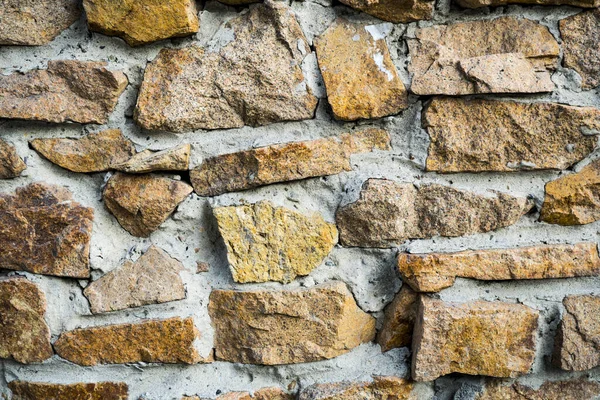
360, 77
139, 23
288, 326
382, 387
580, 34
284, 162
43, 231
271, 393
153, 278
577, 342
435, 271
95, 152
77, 91
11, 165
495, 3
388, 212
255, 79
236, 3
141, 203
486, 135
397, 11
25, 335
573, 199
174, 159
167, 341
478, 338
579, 389
497, 53
267, 243
77, 391
399, 320
35, 23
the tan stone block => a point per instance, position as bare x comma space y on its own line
580, 34
173, 159
579, 389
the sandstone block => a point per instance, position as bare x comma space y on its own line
399, 320
11, 165
579, 389
494, 3
397, 11
580, 34
271, 393
382, 387
77, 391
173, 159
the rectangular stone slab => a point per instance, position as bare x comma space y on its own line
77, 391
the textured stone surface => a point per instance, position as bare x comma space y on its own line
271, 393
581, 34
394, 10
255, 79
287, 326
388, 212
360, 77
284, 162
11, 165
43, 231
95, 152
141, 203
25, 335
268, 243
34, 22
478, 338
497, 53
382, 387
399, 320
69, 90
486, 135
494, 3
173, 159
552, 390
153, 278
155, 341
77, 391
435, 271
139, 23
573, 199
577, 342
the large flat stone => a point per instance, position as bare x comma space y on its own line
397, 11
11, 165
399, 320
579, 389
382, 387
77, 391
580, 34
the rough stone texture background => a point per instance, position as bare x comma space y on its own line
190, 234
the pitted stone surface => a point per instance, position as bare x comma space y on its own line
580, 34
11, 165
76, 391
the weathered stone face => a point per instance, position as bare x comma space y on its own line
167, 341
388, 212
479, 338
382, 387
174, 159
486, 135
25, 335
77, 91
139, 23
11, 165
494, 3
288, 326
573, 199
398, 11
95, 152
77, 391
141, 203
552, 390
435, 271
255, 79
399, 320
497, 53
578, 338
581, 34
35, 23
153, 278
360, 77
267, 243
43, 231
284, 162
272, 393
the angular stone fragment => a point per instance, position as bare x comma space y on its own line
573, 199
141, 203
153, 278
156, 341
78, 391
284, 162
577, 342
11, 165
398, 11
494, 3
267, 243
25, 335
581, 34
485, 135
436, 271
77, 91
399, 320
254, 79
174, 159
388, 212
579, 389
382, 387
95, 152
139, 23
478, 338
34, 22
43, 231
496, 53
360, 77
288, 326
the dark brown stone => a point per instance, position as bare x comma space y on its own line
77, 391
11, 165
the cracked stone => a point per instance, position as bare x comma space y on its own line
397, 11
173, 159
580, 34
399, 320
579, 389
382, 387
77, 391
11, 165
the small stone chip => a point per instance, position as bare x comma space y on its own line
382, 387
77, 391
399, 320
11, 165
